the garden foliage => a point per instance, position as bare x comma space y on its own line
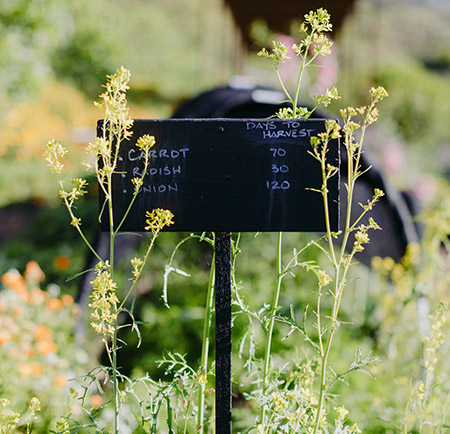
308, 321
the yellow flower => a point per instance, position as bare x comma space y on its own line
324, 279
202, 378
53, 155
145, 142
104, 301
388, 264
157, 219
35, 404
377, 263
342, 412
378, 94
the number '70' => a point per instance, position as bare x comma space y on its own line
280, 152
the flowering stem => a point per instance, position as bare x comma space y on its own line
340, 264
135, 194
112, 236
283, 86
205, 345
77, 226
273, 312
144, 261
115, 385
297, 89
300, 75
324, 356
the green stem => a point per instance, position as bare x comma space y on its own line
144, 261
77, 226
319, 325
115, 385
297, 88
282, 86
111, 228
114, 337
352, 171
338, 279
205, 345
273, 312
350, 185
339, 282
300, 75
135, 195
188, 405
86, 241
326, 209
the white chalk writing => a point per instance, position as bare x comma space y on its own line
275, 130
160, 188
276, 185
159, 172
137, 155
304, 132
278, 169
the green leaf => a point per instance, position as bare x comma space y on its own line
74, 276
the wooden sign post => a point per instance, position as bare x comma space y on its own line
223, 331
223, 176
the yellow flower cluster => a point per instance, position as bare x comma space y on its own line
53, 155
324, 278
361, 237
436, 338
114, 103
104, 301
158, 219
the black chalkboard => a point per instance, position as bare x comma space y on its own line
230, 175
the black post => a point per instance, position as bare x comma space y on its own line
223, 332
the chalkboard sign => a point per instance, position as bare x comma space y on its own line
230, 175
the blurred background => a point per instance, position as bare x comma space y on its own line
54, 56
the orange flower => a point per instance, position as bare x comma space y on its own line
11, 277
54, 304
18, 311
46, 347
67, 300
5, 336
96, 401
60, 381
25, 349
62, 263
76, 311
37, 296
30, 369
43, 333
13, 280
33, 272
2, 307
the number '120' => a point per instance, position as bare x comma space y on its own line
275, 185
